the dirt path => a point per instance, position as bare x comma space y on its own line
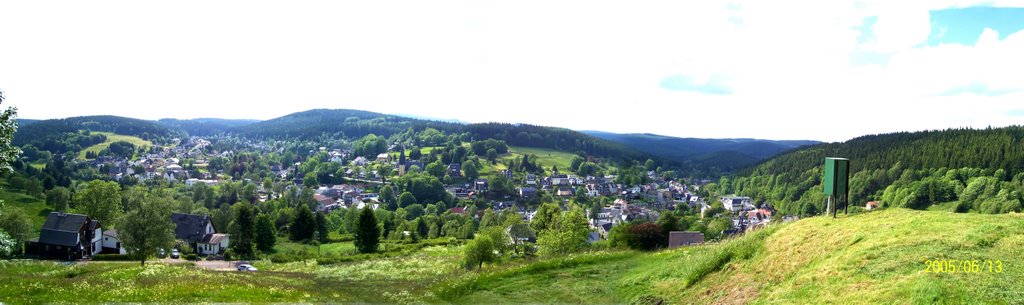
219, 265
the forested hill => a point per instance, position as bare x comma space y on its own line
62, 135
23, 122
713, 154
356, 124
204, 126
336, 122
959, 169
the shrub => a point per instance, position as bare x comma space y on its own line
645, 236
341, 238
228, 254
191, 257
184, 248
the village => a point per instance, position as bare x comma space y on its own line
192, 161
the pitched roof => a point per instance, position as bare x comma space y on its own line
110, 232
65, 222
213, 238
60, 238
62, 229
189, 227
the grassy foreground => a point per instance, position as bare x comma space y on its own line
869, 258
389, 280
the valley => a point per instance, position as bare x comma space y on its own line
461, 217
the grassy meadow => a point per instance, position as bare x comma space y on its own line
111, 138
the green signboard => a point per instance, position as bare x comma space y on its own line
837, 176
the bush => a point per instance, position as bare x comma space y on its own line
191, 257
113, 257
184, 248
645, 236
340, 238
292, 256
228, 254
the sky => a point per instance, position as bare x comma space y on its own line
820, 70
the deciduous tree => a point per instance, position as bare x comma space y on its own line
100, 200
266, 235
146, 227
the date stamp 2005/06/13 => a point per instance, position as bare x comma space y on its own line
963, 266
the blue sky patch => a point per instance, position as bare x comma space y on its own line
715, 85
965, 25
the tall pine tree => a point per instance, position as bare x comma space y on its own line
243, 232
303, 224
266, 236
321, 228
367, 235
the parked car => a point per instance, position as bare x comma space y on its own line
246, 267
175, 253
162, 254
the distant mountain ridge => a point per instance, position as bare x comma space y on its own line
723, 154
358, 123
23, 122
205, 126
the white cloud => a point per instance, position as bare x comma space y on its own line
577, 64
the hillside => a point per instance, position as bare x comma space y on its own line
111, 138
64, 135
979, 170
870, 258
356, 123
720, 154
204, 126
23, 122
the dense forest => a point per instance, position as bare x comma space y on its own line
356, 124
59, 136
955, 169
204, 126
23, 122
705, 157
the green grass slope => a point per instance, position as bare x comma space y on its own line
111, 138
35, 208
870, 258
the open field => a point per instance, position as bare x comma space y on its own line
546, 157
283, 245
111, 138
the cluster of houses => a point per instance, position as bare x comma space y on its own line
746, 215
75, 236
343, 196
162, 164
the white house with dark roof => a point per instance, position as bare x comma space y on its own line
112, 244
68, 236
200, 234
